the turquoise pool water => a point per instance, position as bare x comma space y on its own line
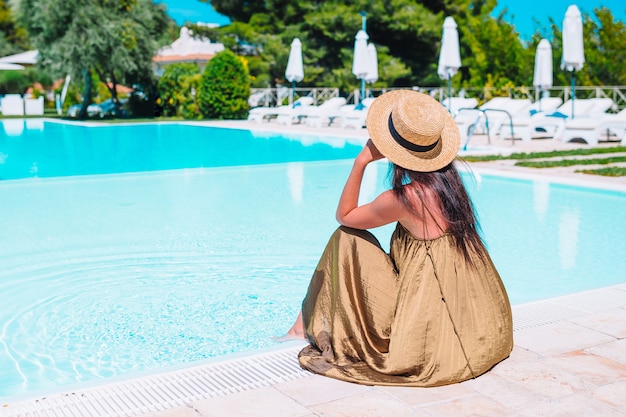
157, 264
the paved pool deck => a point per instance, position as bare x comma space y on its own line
569, 359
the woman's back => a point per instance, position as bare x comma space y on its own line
426, 220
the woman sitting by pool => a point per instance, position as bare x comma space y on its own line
432, 312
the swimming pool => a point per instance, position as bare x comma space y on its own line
171, 263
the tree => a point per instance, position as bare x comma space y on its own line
605, 48
224, 88
407, 34
13, 38
603, 39
115, 39
493, 55
175, 89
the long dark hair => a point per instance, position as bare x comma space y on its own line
456, 205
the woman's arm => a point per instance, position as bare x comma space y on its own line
383, 210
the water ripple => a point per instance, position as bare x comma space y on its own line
99, 317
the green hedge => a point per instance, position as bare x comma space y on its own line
224, 88
14, 82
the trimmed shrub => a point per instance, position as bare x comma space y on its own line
176, 90
224, 88
14, 82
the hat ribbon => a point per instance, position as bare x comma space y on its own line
405, 143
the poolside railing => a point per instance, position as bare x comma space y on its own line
274, 96
616, 93
278, 96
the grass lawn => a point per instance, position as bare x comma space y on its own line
556, 159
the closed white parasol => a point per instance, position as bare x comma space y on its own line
295, 69
360, 62
573, 58
372, 63
450, 55
542, 77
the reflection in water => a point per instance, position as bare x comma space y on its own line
568, 238
295, 176
541, 197
34, 169
338, 142
13, 127
34, 124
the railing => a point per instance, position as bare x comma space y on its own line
284, 95
615, 93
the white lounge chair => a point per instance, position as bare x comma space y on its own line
259, 114
596, 107
356, 117
33, 106
488, 117
453, 104
551, 125
324, 114
12, 105
298, 114
519, 122
610, 128
500, 112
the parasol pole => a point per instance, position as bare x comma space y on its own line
364, 27
573, 92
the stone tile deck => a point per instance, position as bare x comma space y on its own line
573, 366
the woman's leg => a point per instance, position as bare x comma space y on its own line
295, 333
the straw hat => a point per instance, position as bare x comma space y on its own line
413, 130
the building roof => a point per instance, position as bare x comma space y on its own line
188, 49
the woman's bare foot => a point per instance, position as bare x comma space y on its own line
295, 333
289, 336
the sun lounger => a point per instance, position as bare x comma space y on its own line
554, 126
519, 122
501, 111
318, 113
453, 104
259, 114
12, 105
551, 125
610, 128
33, 106
356, 117
488, 118
326, 113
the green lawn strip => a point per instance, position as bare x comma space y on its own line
607, 172
570, 162
551, 154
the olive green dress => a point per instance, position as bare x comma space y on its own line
419, 316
